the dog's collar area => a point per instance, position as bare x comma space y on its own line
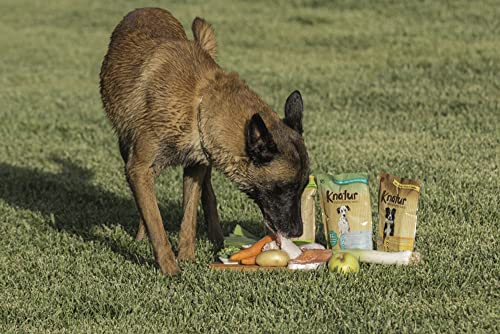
200, 133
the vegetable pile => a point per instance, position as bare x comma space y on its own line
278, 251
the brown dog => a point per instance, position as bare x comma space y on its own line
171, 104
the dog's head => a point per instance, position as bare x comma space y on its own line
390, 214
279, 168
342, 210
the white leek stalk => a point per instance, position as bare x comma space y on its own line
373, 256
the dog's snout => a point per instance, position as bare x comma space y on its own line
296, 230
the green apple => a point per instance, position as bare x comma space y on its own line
343, 263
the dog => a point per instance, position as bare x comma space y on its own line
389, 227
170, 104
343, 221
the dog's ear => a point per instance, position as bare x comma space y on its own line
348, 208
293, 112
393, 213
204, 36
387, 211
260, 146
338, 210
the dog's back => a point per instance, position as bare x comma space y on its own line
132, 43
148, 24
149, 76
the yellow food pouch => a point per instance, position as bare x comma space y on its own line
308, 212
397, 212
346, 210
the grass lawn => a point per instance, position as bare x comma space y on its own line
407, 87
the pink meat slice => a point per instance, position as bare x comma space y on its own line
313, 256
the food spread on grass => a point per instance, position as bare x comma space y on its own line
349, 234
278, 251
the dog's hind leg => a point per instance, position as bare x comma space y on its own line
193, 179
141, 230
209, 203
124, 143
141, 175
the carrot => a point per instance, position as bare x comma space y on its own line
249, 260
254, 250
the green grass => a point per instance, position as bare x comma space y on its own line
406, 87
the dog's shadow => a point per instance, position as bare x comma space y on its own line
74, 205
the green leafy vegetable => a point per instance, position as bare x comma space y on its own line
240, 237
228, 251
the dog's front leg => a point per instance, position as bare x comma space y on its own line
193, 179
141, 231
209, 203
141, 180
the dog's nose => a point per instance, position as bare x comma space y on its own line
296, 230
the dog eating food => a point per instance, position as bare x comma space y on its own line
346, 210
397, 212
171, 104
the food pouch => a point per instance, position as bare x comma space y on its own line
397, 212
308, 213
346, 210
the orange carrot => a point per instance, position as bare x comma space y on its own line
248, 260
254, 250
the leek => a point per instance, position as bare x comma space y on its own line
373, 256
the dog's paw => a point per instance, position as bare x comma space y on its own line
169, 268
186, 254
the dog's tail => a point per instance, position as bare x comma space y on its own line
204, 35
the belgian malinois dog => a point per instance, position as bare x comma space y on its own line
171, 104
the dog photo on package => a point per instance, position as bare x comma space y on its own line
346, 210
397, 213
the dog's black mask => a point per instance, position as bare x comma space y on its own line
280, 207
280, 168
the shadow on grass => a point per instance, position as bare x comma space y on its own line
76, 205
